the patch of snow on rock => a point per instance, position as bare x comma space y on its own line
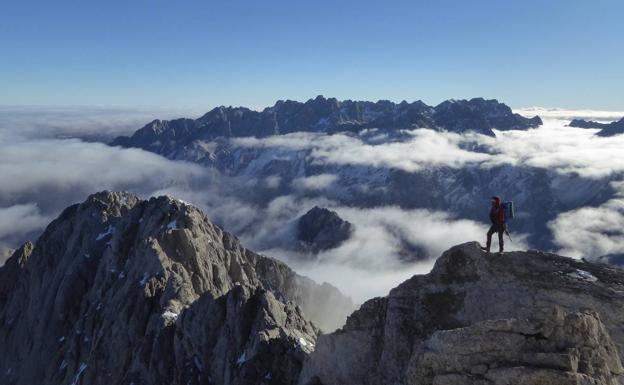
584, 275
109, 231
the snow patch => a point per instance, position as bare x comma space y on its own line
144, 280
172, 225
584, 275
81, 369
169, 316
242, 359
109, 231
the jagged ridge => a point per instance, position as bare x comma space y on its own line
327, 115
119, 290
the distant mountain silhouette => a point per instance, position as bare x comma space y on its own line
328, 115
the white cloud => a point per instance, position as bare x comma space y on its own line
565, 114
272, 181
558, 148
35, 165
18, 219
89, 122
554, 146
426, 148
314, 182
592, 231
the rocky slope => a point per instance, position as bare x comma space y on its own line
607, 129
326, 115
477, 318
119, 291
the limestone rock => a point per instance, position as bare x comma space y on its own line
482, 318
119, 290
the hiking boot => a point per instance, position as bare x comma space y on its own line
487, 250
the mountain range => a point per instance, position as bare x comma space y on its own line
327, 115
289, 148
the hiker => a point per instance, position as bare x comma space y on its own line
497, 217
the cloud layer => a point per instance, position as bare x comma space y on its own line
554, 146
592, 231
86, 122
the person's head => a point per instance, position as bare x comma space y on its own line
495, 201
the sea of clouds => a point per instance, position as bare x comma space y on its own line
51, 158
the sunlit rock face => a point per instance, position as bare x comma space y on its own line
119, 290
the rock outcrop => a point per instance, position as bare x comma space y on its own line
327, 115
477, 318
606, 129
118, 290
322, 229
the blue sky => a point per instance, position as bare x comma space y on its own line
196, 54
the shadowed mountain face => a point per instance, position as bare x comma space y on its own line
118, 290
327, 116
607, 129
322, 229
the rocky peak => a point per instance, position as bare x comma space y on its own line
521, 317
322, 229
480, 115
119, 290
607, 129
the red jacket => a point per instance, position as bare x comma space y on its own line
497, 213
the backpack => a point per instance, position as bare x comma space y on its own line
509, 209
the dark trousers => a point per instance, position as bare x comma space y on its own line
496, 229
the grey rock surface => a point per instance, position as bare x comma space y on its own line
119, 290
477, 318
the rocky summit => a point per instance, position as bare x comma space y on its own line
119, 290
322, 229
518, 318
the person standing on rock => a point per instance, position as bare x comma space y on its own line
497, 217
